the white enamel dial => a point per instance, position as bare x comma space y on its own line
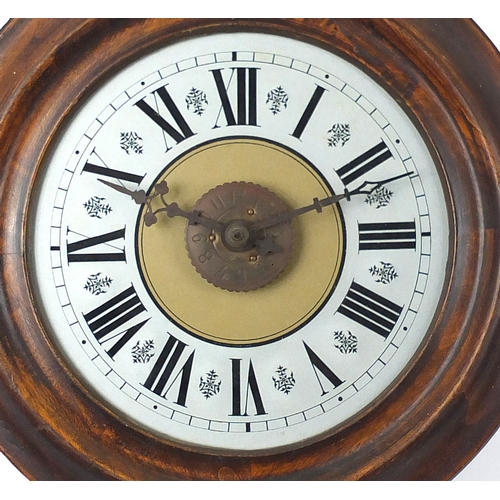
303, 353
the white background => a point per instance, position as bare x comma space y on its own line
486, 465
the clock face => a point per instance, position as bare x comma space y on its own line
175, 273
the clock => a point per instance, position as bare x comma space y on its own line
244, 249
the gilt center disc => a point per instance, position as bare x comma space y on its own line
282, 305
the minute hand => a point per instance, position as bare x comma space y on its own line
318, 204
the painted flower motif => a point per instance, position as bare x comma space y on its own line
277, 98
340, 133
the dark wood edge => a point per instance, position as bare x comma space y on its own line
429, 425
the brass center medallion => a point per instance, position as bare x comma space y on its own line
240, 285
240, 258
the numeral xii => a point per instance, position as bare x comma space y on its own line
246, 96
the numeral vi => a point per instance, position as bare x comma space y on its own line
240, 398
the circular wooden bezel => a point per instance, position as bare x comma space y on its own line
441, 410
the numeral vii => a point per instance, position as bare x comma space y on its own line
370, 310
167, 370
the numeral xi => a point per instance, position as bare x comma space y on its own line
183, 131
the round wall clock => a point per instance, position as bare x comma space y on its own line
248, 249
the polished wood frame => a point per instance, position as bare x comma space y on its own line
446, 74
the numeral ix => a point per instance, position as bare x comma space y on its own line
76, 255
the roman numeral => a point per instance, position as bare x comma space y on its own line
167, 370
364, 163
114, 174
308, 112
370, 310
74, 254
387, 235
319, 366
182, 132
106, 320
251, 390
246, 96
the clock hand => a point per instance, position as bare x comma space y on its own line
361, 189
138, 196
171, 209
284, 217
330, 200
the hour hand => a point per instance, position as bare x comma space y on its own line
171, 209
138, 196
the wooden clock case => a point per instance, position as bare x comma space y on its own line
431, 422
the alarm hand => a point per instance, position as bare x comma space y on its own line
171, 209
330, 200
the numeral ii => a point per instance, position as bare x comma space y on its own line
364, 163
